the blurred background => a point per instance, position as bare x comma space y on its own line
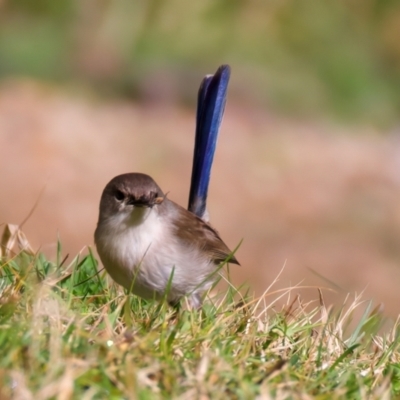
307, 169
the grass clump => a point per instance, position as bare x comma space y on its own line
66, 332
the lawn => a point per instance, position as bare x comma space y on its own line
67, 332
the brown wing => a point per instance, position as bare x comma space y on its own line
193, 230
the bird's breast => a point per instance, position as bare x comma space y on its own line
147, 256
128, 243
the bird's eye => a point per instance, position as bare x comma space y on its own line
119, 195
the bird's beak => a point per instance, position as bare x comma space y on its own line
138, 203
144, 202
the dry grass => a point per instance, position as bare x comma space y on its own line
66, 332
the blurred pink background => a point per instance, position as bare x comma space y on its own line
307, 168
309, 196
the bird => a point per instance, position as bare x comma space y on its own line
151, 245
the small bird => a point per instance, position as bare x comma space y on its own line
154, 247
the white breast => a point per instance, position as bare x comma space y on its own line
140, 253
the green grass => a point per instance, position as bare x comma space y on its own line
66, 332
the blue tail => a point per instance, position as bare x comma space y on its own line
210, 109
